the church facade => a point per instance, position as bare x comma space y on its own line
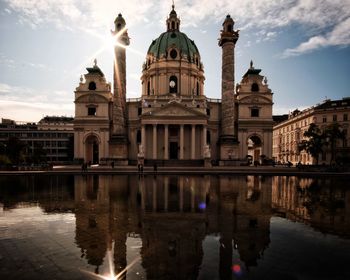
173, 122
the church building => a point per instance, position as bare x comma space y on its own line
173, 122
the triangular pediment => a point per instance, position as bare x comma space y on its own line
175, 109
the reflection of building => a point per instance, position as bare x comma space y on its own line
92, 218
172, 215
53, 135
289, 133
322, 203
173, 119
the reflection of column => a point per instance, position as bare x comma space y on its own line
166, 142
154, 141
193, 141
143, 138
193, 194
181, 141
204, 138
181, 206
166, 193
142, 191
154, 203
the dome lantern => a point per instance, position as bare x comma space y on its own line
173, 22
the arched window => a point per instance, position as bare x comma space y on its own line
255, 87
173, 84
173, 54
92, 86
229, 28
119, 26
172, 25
197, 88
148, 88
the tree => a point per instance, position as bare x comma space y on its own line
315, 142
15, 150
332, 134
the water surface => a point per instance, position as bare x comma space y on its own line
174, 227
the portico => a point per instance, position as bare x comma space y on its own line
170, 139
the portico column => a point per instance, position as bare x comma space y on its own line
181, 141
166, 142
154, 141
143, 137
193, 142
204, 138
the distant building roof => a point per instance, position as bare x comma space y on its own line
333, 103
280, 118
56, 119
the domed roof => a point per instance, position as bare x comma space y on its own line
173, 39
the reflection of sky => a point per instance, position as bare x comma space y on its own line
35, 219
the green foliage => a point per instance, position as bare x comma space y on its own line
314, 144
317, 140
332, 134
14, 150
4, 160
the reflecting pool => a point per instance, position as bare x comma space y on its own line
174, 227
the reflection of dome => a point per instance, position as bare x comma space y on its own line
173, 40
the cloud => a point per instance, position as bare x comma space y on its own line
339, 36
316, 17
15, 100
11, 63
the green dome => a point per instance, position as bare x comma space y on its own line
175, 39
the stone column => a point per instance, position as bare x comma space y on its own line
204, 138
166, 141
181, 141
154, 141
193, 142
143, 137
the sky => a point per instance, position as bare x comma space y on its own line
302, 47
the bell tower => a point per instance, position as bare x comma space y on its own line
119, 138
228, 137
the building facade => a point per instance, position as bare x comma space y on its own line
52, 135
288, 134
173, 121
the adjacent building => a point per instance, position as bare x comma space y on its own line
288, 134
52, 135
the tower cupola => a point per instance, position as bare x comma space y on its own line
227, 33
173, 22
119, 23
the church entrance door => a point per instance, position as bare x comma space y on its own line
174, 147
92, 155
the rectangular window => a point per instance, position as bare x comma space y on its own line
92, 111
324, 119
345, 117
334, 118
254, 113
